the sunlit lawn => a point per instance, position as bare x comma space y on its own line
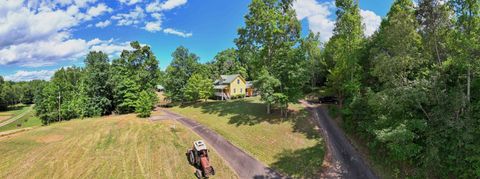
291, 145
28, 120
109, 147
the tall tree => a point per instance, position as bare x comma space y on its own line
135, 71
96, 82
343, 50
182, 67
270, 38
433, 17
311, 47
227, 63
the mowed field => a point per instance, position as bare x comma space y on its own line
290, 145
108, 147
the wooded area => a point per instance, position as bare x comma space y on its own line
411, 90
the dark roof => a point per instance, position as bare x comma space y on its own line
226, 79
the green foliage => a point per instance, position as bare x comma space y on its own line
227, 63
311, 47
182, 67
145, 103
101, 88
343, 50
96, 83
198, 87
270, 39
417, 103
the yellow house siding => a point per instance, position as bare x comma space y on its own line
238, 86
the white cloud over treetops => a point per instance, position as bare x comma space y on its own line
318, 16
23, 75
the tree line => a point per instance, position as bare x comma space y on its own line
124, 85
12, 93
411, 90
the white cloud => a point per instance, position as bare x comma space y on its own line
175, 32
47, 53
371, 21
109, 47
42, 53
153, 26
133, 17
157, 16
167, 5
130, 2
317, 15
319, 20
21, 25
98, 10
22, 75
103, 24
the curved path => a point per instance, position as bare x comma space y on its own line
341, 160
244, 165
13, 119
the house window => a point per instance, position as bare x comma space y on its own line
234, 90
238, 81
241, 90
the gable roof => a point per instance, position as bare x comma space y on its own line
227, 79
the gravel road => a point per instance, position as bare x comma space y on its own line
342, 160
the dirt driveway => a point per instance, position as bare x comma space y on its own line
341, 160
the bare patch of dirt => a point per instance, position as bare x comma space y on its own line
50, 138
2, 118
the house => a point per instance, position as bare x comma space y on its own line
229, 86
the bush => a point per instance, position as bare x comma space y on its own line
145, 103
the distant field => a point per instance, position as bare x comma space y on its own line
4, 115
291, 145
110, 147
27, 120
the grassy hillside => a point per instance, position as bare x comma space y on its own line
291, 145
109, 147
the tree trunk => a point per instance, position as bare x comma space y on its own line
468, 83
268, 108
437, 52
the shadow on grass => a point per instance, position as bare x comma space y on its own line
14, 107
302, 163
242, 111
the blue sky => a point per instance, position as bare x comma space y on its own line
38, 37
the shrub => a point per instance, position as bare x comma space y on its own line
146, 101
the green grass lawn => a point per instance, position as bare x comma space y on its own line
28, 120
292, 145
109, 147
13, 111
